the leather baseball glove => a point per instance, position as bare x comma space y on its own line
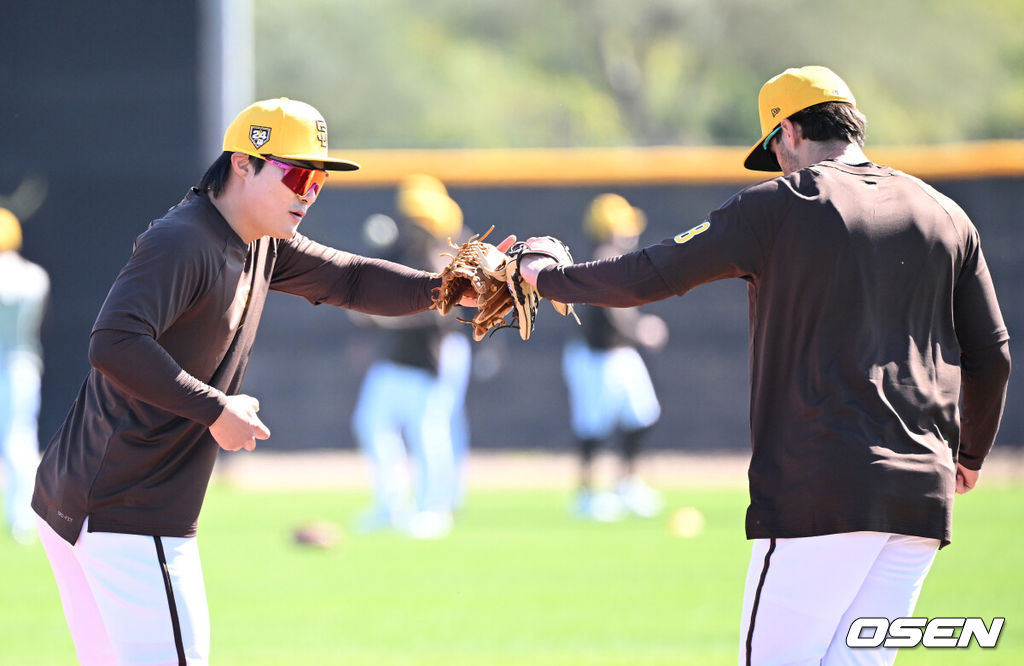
525, 296
476, 269
503, 298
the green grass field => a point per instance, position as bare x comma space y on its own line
518, 582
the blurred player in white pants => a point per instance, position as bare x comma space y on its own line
610, 390
24, 288
403, 423
454, 372
409, 417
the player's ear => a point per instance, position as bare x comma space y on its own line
241, 165
791, 130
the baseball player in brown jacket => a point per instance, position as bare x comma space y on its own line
878, 361
120, 486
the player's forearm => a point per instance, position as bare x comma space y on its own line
389, 289
140, 367
619, 282
323, 274
985, 375
371, 286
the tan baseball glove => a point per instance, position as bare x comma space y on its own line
503, 298
476, 269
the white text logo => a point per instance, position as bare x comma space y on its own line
939, 632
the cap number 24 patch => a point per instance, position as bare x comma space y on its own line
687, 235
259, 135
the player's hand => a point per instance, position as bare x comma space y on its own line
469, 299
238, 427
532, 264
966, 479
540, 252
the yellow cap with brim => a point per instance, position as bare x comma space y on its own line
783, 95
611, 215
424, 200
10, 231
284, 128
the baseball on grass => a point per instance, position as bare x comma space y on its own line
687, 522
317, 534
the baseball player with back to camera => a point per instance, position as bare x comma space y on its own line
878, 360
121, 484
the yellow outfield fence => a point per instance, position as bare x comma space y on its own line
653, 165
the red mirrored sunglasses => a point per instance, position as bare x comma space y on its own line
300, 180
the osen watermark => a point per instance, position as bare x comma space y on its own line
938, 632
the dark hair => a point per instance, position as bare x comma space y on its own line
216, 177
832, 120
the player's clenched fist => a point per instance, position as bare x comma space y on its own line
238, 427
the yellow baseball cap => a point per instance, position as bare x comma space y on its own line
284, 128
424, 200
783, 95
10, 231
611, 215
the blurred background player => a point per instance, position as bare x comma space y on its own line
610, 390
410, 417
24, 287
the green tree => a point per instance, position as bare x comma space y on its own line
496, 73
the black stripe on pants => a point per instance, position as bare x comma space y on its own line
757, 601
179, 645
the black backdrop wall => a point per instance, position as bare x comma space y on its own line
106, 113
99, 101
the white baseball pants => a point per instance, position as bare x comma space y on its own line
131, 599
803, 594
404, 411
19, 438
608, 388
